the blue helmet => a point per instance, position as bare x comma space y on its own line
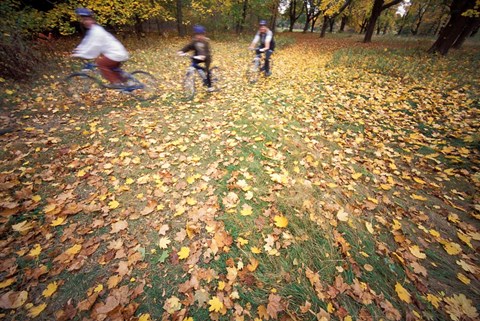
197, 29
84, 12
262, 22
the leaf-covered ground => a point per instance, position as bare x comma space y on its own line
343, 187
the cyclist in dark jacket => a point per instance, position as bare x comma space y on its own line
201, 47
266, 42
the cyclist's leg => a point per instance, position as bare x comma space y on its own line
107, 68
206, 70
268, 54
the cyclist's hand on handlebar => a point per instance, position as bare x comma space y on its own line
181, 53
200, 57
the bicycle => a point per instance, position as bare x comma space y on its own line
254, 70
88, 84
191, 75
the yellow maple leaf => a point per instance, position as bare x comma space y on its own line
386, 187
255, 250
98, 288
34, 311
215, 304
396, 225
221, 285
242, 241
35, 252
7, 283
113, 204
415, 250
129, 181
369, 227
280, 221
190, 179
463, 278
434, 300
452, 248
253, 264
246, 210
418, 197
418, 180
434, 233
183, 253
58, 221
356, 175
191, 201
402, 293
74, 249
50, 290
36, 198
144, 317
465, 238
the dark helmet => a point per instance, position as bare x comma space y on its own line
197, 29
262, 22
84, 12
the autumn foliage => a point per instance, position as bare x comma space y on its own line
343, 187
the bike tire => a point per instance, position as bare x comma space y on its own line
145, 87
189, 84
215, 77
253, 71
83, 88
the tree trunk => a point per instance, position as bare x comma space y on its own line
378, 7
293, 14
472, 24
241, 24
343, 24
331, 24
324, 26
454, 28
180, 27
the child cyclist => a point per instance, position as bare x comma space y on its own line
264, 37
201, 48
102, 46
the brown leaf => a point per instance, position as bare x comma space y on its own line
274, 305
85, 305
110, 303
119, 226
13, 300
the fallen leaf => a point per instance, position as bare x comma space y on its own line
215, 304
280, 221
402, 293
415, 250
34, 311
13, 300
50, 290
119, 226
183, 253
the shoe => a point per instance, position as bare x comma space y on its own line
262, 68
130, 83
210, 89
268, 74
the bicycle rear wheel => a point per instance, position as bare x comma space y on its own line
253, 71
83, 88
189, 84
145, 85
215, 77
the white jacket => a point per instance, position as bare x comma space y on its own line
98, 41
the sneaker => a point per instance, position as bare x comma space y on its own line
210, 89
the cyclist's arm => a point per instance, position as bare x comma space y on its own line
255, 41
90, 47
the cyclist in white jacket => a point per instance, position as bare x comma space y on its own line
102, 46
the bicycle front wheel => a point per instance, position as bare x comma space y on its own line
145, 85
83, 88
253, 71
189, 84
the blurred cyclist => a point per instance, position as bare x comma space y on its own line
201, 47
266, 42
102, 46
